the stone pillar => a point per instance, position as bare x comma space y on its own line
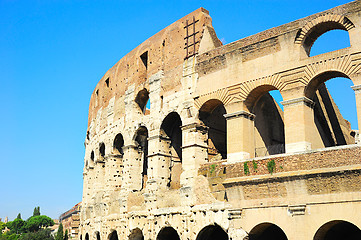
194, 151
158, 161
300, 129
240, 136
132, 168
357, 89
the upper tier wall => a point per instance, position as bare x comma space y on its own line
165, 52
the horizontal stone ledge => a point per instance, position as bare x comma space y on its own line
290, 174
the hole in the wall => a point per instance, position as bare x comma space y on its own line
118, 144
107, 82
102, 150
142, 99
144, 58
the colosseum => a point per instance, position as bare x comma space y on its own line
185, 142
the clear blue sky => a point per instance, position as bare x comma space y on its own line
52, 54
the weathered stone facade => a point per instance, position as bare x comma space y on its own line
215, 156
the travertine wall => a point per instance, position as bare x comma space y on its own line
212, 155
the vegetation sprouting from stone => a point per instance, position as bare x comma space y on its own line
246, 168
271, 166
255, 166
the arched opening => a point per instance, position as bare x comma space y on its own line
97, 235
171, 137
136, 234
269, 133
212, 232
267, 231
141, 141
81, 237
113, 235
118, 144
338, 229
212, 115
101, 151
330, 41
141, 99
86, 236
323, 27
333, 129
168, 233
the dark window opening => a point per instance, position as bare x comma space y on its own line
267, 231
144, 58
338, 229
113, 236
97, 92
212, 232
168, 233
212, 115
86, 236
102, 150
118, 144
142, 99
92, 156
107, 82
98, 235
136, 234
141, 140
172, 144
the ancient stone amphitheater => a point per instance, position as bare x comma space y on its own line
184, 141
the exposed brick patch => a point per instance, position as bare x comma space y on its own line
285, 163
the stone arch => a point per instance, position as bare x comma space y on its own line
212, 232
168, 233
118, 144
113, 235
269, 133
136, 234
308, 34
141, 99
141, 142
86, 236
333, 129
212, 114
267, 231
337, 229
171, 144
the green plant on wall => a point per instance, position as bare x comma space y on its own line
245, 168
271, 166
212, 168
255, 166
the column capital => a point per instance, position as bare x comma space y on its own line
356, 88
296, 101
239, 114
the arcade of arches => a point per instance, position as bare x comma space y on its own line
190, 139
